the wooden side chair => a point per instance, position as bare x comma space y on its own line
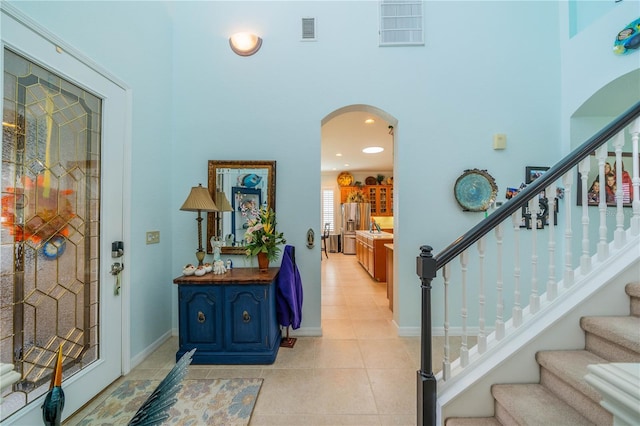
325, 239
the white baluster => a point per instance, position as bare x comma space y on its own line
446, 362
534, 298
552, 286
499, 284
619, 234
482, 336
603, 247
464, 348
634, 129
516, 313
567, 181
585, 260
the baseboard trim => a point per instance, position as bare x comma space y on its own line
151, 348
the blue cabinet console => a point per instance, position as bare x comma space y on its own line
230, 318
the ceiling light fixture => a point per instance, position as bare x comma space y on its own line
369, 121
245, 44
373, 149
338, 155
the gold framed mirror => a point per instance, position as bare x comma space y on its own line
237, 187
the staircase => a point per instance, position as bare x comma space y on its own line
563, 397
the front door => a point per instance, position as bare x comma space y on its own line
62, 207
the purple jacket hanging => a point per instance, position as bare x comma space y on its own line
289, 291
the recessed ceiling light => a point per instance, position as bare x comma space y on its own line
373, 149
346, 164
338, 155
369, 121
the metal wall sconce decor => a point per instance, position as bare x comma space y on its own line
245, 44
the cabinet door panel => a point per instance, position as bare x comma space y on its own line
246, 318
200, 318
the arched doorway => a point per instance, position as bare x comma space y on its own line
345, 132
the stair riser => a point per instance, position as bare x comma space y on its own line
503, 416
608, 350
635, 307
584, 404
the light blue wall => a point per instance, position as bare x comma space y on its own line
449, 96
132, 40
478, 74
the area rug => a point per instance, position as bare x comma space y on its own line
200, 402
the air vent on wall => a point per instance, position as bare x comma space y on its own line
401, 22
308, 29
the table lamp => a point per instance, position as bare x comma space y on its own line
199, 200
223, 206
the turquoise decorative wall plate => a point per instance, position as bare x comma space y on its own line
475, 190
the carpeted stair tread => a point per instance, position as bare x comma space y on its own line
571, 366
622, 330
472, 421
532, 405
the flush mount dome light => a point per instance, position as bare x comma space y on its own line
373, 149
245, 44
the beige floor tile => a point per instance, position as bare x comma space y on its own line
343, 391
339, 353
382, 353
394, 390
337, 329
374, 329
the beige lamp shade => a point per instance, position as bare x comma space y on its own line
199, 199
222, 202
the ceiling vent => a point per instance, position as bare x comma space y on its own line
308, 29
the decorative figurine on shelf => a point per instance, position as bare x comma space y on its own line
208, 267
218, 267
188, 269
200, 271
216, 245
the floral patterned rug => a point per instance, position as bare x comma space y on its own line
200, 402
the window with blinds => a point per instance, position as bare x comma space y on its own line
401, 23
327, 209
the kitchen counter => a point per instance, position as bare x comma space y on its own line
371, 252
375, 235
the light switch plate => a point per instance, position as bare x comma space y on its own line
499, 141
153, 237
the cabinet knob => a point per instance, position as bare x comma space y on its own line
246, 317
201, 317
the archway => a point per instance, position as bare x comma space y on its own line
344, 132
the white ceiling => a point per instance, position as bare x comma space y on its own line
348, 134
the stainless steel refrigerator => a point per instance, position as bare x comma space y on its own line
355, 217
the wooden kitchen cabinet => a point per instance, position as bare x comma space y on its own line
230, 318
381, 199
371, 253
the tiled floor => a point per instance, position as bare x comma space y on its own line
358, 373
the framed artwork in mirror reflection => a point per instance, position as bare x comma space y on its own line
246, 204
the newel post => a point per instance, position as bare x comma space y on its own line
426, 270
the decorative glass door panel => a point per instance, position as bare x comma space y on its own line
50, 229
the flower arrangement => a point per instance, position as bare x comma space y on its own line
261, 236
